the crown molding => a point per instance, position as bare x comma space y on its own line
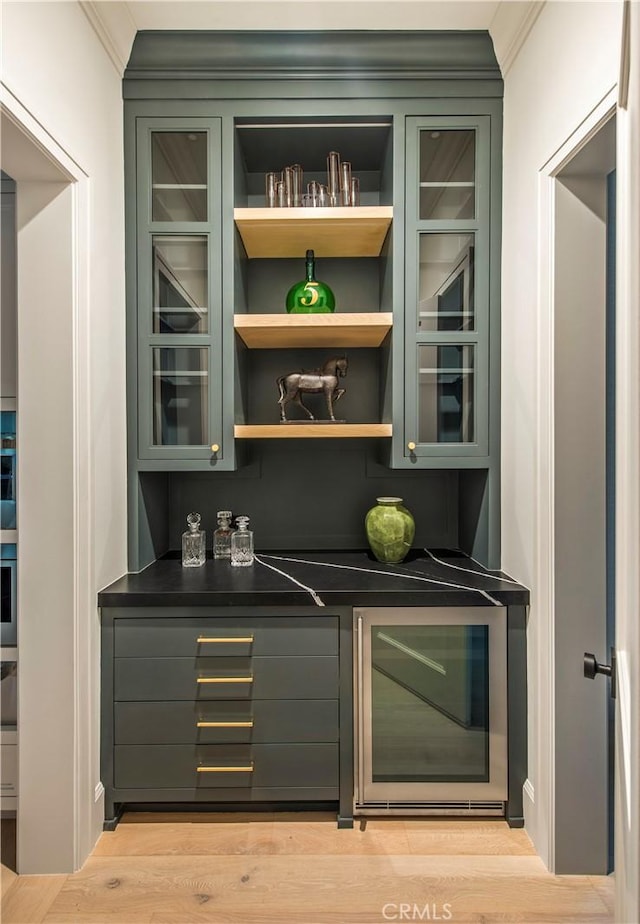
510, 27
312, 54
115, 27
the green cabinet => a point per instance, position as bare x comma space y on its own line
227, 705
415, 268
451, 311
441, 309
178, 405
447, 296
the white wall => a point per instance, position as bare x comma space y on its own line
568, 64
57, 78
8, 299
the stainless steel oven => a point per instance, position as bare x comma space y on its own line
8, 603
431, 710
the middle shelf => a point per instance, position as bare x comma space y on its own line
330, 232
311, 430
273, 331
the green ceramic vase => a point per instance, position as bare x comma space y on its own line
390, 529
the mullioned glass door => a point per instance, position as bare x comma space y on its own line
447, 288
179, 289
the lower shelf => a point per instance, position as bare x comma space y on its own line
309, 431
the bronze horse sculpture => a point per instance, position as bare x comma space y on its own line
325, 381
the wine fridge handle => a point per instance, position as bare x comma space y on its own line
360, 705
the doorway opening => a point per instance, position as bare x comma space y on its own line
584, 495
47, 381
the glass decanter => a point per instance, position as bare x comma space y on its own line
222, 535
193, 543
242, 544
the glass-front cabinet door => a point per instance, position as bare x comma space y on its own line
447, 288
179, 289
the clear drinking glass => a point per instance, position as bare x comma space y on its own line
313, 192
333, 177
345, 183
298, 177
281, 198
355, 191
287, 176
270, 189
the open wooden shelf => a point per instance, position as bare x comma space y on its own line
330, 232
272, 331
309, 431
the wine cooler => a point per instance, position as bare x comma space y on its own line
431, 710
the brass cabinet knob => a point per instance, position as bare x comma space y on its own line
215, 447
411, 446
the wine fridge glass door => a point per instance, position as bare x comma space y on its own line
431, 705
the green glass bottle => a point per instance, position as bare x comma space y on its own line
310, 296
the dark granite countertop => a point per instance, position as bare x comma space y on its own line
435, 577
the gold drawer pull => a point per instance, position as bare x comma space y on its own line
224, 724
225, 680
225, 769
210, 640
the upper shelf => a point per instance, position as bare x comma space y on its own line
269, 331
330, 232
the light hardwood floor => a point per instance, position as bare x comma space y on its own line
300, 869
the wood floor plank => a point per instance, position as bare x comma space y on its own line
7, 879
259, 915
265, 837
99, 917
321, 839
605, 886
299, 868
205, 818
185, 885
30, 898
170, 839
497, 841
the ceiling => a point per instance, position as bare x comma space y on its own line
312, 14
116, 22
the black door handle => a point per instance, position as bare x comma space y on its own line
592, 667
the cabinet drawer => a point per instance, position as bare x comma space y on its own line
218, 722
225, 678
250, 765
209, 636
